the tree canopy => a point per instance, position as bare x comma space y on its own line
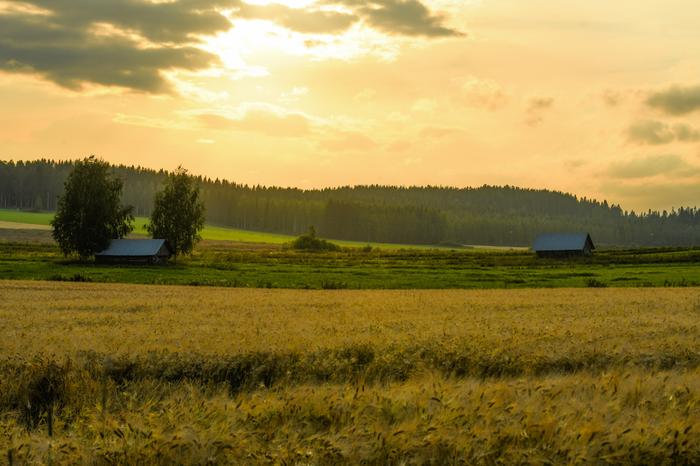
90, 213
178, 213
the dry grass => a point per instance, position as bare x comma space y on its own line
145, 374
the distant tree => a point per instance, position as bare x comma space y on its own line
178, 213
89, 213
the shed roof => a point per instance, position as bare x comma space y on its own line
133, 247
562, 242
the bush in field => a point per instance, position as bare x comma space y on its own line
595, 283
309, 242
90, 213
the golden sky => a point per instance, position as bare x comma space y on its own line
593, 97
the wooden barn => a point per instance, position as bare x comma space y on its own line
563, 245
135, 251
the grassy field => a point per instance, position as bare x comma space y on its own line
210, 232
132, 374
258, 266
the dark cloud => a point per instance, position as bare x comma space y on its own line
650, 132
656, 133
300, 20
668, 165
62, 48
159, 22
677, 100
71, 58
148, 38
401, 17
685, 133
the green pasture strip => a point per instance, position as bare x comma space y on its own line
355, 269
32, 218
211, 232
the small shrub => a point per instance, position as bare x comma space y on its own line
309, 242
682, 283
595, 283
76, 277
333, 285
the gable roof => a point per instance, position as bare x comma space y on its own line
562, 242
134, 247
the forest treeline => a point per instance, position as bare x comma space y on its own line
489, 215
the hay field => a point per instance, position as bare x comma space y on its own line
131, 374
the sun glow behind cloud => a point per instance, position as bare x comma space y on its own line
251, 43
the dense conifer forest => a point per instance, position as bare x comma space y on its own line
489, 215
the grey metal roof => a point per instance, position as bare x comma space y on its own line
562, 242
133, 247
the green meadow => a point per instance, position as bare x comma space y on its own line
231, 265
210, 232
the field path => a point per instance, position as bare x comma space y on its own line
22, 226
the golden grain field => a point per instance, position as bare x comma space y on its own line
128, 374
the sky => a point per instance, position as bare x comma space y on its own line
597, 98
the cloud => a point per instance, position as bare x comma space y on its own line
667, 165
424, 106
677, 100
654, 132
149, 122
436, 132
130, 43
298, 19
294, 95
400, 17
612, 98
650, 132
575, 164
260, 120
685, 133
399, 146
348, 141
172, 21
62, 47
540, 103
536, 107
482, 93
